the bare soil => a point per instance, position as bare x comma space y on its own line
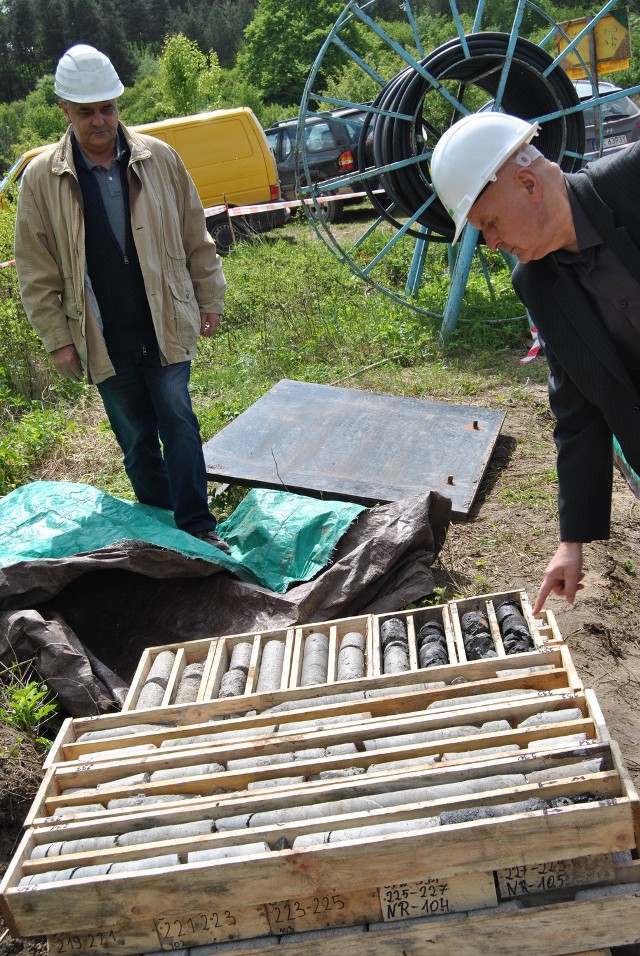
504, 545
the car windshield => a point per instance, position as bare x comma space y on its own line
615, 109
353, 123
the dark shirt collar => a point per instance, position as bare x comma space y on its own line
587, 236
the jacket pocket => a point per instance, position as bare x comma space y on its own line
185, 307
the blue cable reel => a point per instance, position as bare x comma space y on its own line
523, 69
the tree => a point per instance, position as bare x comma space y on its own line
225, 22
51, 37
282, 42
22, 45
235, 90
10, 83
81, 19
43, 120
10, 128
144, 22
189, 79
141, 102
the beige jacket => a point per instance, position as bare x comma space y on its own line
182, 271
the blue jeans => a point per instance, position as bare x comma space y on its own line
146, 404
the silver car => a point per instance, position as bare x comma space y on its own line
611, 124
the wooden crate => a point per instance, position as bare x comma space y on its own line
548, 670
358, 877
468, 744
215, 655
365, 719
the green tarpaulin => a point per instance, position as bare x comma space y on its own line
87, 581
276, 537
627, 472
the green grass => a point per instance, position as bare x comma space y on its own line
292, 311
537, 491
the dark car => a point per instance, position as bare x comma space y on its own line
609, 125
330, 143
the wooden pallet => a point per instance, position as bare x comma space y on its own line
479, 737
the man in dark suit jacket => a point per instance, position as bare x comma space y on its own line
577, 241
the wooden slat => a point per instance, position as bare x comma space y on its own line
175, 676
628, 788
206, 671
65, 735
320, 870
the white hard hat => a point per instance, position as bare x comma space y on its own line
468, 156
85, 75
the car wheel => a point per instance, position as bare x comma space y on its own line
224, 234
330, 211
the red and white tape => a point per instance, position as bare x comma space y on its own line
9, 262
534, 350
281, 204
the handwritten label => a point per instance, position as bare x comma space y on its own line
434, 897
85, 942
526, 880
176, 931
318, 912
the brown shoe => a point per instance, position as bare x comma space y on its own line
211, 537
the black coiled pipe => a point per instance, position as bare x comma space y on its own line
527, 94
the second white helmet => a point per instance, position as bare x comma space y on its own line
468, 156
85, 75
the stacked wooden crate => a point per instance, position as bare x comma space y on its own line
475, 804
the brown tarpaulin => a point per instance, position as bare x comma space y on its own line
85, 620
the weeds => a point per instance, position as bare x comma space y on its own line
26, 705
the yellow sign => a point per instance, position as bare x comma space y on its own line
605, 48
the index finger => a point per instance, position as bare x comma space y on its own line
543, 594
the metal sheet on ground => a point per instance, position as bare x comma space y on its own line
354, 445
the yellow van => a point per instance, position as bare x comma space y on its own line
14, 175
226, 153
229, 160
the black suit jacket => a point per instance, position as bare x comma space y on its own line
591, 392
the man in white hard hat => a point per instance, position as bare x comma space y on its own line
577, 241
119, 278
